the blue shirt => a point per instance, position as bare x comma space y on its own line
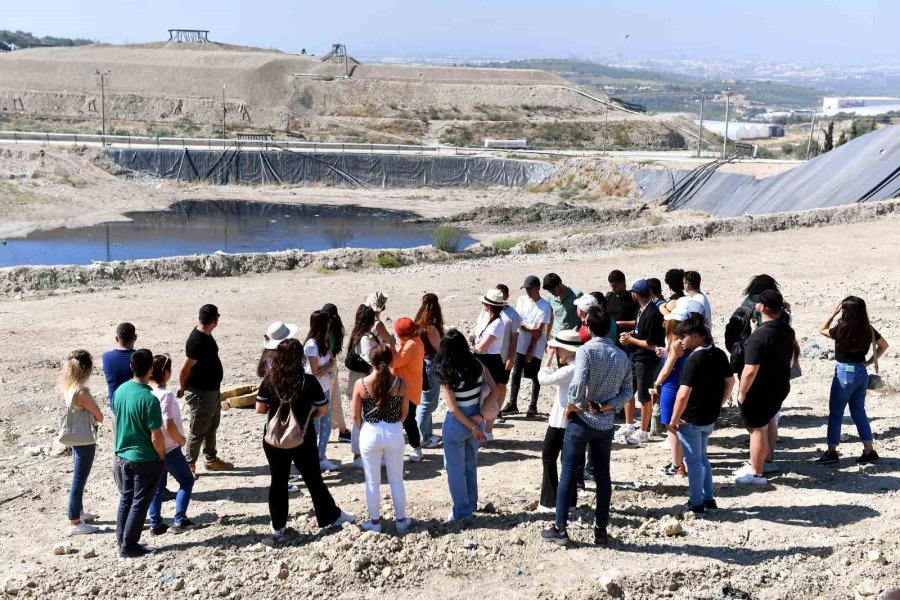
117, 370
602, 375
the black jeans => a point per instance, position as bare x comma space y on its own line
579, 436
412, 428
553, 444
139, 484
306, 457
530, 370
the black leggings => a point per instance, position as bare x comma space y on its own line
553, 443
306, 457
412, 428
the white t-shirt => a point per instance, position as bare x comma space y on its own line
513, 325
707, 308
561, 378
311, 349
533, 314
496, 328
168, 404
365, 345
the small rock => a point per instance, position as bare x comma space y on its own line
470, 544
219, 577
531, 506
671, 527
178, 585
387, 572
257, 547
223, 591
323, 567
865, 590
877, 557
846, 562
33, 450
360, 562
610, 584
90, 554
63, 548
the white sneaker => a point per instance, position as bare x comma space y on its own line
415, 455
403, 525
745, 469
344, 518
368, 525
358, 463
751, 479
434, 442
488, 436
624, 431
89, 517
293, 488
545, 510
637, 438
327, 465
770, 467
83, 529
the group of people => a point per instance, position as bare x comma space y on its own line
605, 353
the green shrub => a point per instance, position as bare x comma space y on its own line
446, 237
509, 243
387, 259
456, 135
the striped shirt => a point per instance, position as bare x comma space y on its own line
602, 375
468, 393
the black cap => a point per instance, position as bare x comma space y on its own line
530, 282
771, 299
331, 309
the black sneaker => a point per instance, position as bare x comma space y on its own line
710, 505
697, 510
344, 436
159, 529
867, 457
184, 525
509, 409
555, 535
137, 551
829, 457
531, 412
601, 537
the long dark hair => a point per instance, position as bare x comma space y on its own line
760, 283
286, 371
336, 329
380, 358
265, 360
454, 362
365, 321
429, 314
854, 331
319, 322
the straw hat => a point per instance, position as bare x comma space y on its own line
493, 297
376, 301
568, 339
278, 332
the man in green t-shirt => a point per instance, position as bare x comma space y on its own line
562, 301
140, 449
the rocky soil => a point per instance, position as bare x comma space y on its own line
814, 532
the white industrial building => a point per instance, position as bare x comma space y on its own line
859, 105
741, 130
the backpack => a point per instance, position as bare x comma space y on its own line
286, 433
736, 333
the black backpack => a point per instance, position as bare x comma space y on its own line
736, 333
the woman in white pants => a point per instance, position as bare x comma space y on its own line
379, 408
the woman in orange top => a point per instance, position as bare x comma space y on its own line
408, 364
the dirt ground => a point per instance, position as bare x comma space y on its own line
813, 532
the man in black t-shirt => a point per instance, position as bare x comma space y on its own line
648, 334
200, 381
765, 382
619, 303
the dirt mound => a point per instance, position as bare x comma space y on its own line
541, 214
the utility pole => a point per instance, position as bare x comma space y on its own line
223, 116
727, 92
102, 99
700, 128
812, 127
606, 129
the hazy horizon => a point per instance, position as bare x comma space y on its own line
804, 31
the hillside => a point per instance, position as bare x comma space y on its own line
25, 39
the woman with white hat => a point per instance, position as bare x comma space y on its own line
488, 338
665, 388
563, 348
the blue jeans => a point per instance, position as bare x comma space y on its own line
428, 404
579, 437
693, 439
323, 427
849, 386
84, 460
461, 463
177, 467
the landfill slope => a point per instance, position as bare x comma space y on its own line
866, 169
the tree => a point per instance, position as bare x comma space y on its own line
873, 125
829, 138
854, 130
842, 140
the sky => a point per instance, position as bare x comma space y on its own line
846, 31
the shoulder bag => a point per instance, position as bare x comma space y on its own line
488, 405
284, 431
875, 380
77, 426
356, 363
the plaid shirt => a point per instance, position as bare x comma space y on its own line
602, 375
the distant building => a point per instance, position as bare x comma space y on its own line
741, 130
859, 105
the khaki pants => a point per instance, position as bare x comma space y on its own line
337, 404
204, 412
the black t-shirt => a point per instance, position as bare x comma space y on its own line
771, 347
705, 371
621, 308
847, 355
207, 374
676, 296
650, 328
309, 397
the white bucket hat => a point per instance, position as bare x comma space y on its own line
568, 339
684, 307
376, 301
278, 332
493, 297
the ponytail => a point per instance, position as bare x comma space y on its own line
381, 358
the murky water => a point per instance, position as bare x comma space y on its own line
233, 226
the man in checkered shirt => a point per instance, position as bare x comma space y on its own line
600, 388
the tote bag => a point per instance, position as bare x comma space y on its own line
77, 426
